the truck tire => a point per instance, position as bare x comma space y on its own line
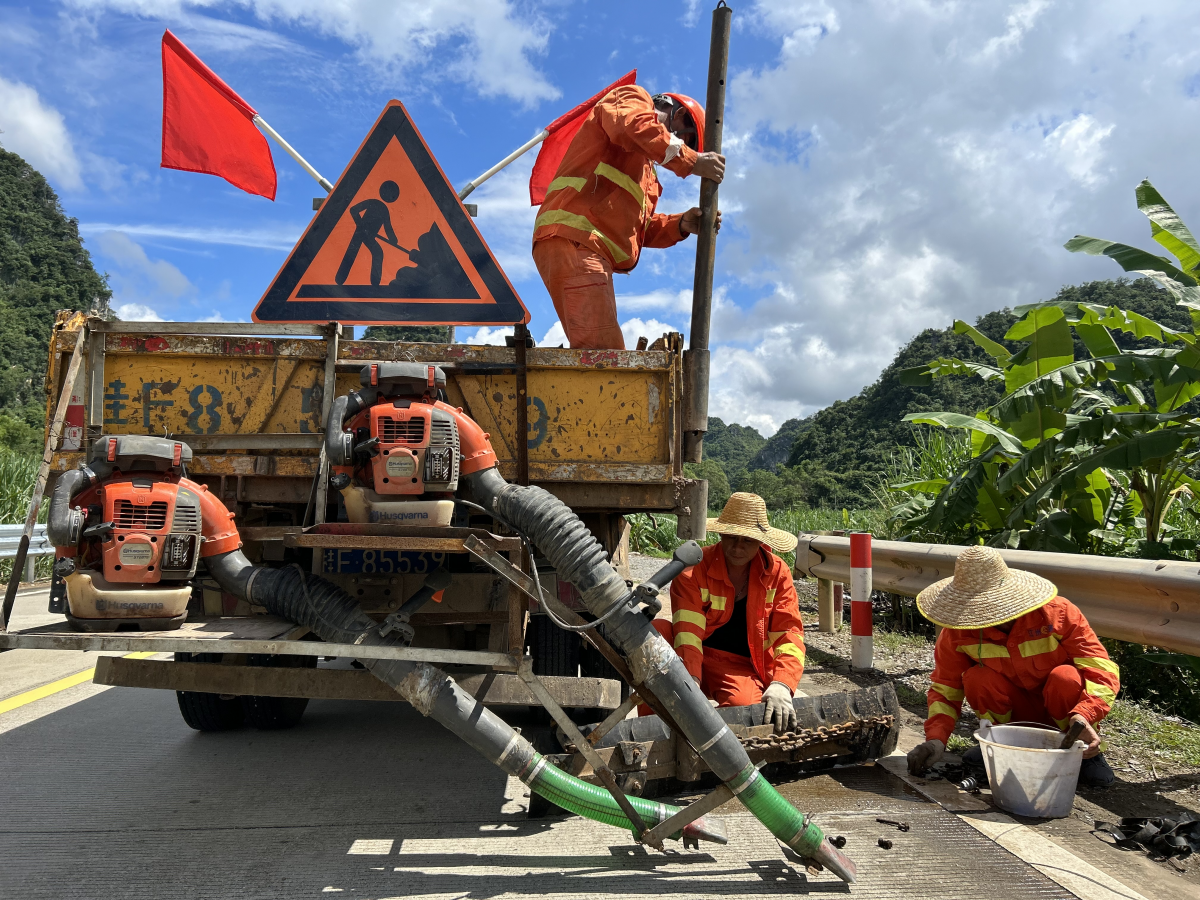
207, 712
554, 651
277, 713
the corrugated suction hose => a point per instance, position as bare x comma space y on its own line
334, 616
578, 557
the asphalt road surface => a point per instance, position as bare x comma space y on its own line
107, 793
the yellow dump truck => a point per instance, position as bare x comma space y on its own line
600, 429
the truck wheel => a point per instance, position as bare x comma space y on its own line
554, 651
276, 713
207, 712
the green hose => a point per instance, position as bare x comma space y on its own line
781, 818
591, 801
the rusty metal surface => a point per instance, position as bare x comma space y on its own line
340, 684
251, 405
1145, 601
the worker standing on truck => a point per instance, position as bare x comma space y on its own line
736, 622
1017, 652
599, 209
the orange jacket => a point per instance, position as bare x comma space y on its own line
1050, 636
702, 600
605, 190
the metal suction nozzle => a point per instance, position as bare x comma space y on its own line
836, 861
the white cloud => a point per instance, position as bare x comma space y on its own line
137, 312
505, 216
651, 329
487, 44
38, 133
484, 336
897, 164
281, 236
141, 286
555, 337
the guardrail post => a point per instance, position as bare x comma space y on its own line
839, 605
29, 561
862, 642
827, 623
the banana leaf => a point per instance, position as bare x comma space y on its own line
1050, 346
1174, 659
1166, 226
958, 420
917, 376
996, 351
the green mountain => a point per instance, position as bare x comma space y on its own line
435, 334
43, 268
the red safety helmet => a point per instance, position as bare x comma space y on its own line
695, 111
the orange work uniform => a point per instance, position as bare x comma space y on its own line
1049, 667
599, 212
703, 599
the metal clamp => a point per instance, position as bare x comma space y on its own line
397, 623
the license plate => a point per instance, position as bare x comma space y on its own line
380, 562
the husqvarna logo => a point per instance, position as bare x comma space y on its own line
379, 516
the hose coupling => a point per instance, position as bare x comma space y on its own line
397, 623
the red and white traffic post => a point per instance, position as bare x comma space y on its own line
862, 641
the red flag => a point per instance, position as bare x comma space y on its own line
562, 132
207, 127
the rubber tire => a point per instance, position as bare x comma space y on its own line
554, 651
277, 713
207, 712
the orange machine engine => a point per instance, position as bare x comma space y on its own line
129, 529
417, 449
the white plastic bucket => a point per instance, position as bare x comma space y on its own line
1029, 775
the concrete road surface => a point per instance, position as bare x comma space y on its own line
106, 793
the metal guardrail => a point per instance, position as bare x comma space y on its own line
39, 545
1145, 601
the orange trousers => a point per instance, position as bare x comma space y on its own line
994, 697
725, 677
580, 283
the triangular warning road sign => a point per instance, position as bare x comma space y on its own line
392, 245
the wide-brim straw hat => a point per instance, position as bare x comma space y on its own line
746, 515
983, 592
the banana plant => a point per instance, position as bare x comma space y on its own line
1077, 452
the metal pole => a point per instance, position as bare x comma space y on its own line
695, 360
862, 640
521, 333
304, 164
520, 151
35, 502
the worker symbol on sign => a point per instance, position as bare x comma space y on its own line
370, 216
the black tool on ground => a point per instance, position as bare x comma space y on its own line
1072, 734
969, 784
901, 826
885, 843
1160, 837
839, 841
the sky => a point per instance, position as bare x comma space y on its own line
892, 164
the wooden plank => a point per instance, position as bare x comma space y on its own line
236, 328
340, 684
279, 441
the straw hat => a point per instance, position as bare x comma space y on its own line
746, 514
983, 592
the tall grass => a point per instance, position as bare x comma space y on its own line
656, 535
18, 473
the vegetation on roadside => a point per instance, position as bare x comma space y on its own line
43, 268
18, 473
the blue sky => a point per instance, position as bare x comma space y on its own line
894, 164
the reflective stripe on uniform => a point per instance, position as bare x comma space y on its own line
984, 651
717, 602
620, 179
1100, 692
791, 650
770, 598
997, 718
1094, 662
954, 695
692, 618
772, 637
937, 708
572, 220
1047, 644
686, 638
565, 181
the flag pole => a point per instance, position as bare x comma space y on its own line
304, 164
524, 148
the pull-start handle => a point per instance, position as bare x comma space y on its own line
685, 556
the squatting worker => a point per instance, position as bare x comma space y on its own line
736, 622
599, 209
1017, 652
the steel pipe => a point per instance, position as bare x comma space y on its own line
1145, 601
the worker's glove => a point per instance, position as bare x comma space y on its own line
779, 710
922, 756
